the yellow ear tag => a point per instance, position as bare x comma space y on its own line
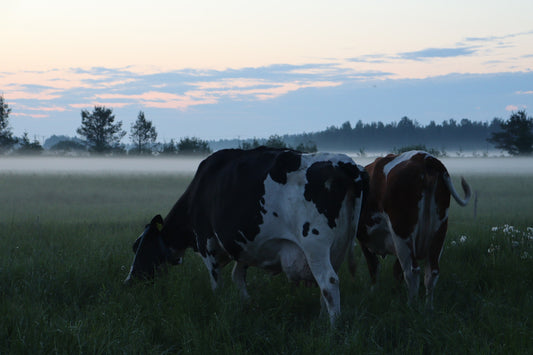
159, 226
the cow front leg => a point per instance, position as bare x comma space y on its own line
430, 280
214, 271
238, 276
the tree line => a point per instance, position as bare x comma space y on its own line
101, 134
514, 136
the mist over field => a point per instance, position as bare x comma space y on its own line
186, 166
101, 165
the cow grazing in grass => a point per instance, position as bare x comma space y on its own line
279, 210
406, 215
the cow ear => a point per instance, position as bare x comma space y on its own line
157, 222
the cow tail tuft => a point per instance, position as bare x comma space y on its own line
466, 189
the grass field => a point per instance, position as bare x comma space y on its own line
65, 247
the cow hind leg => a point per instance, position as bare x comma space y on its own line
300, 265
328, 282
330, 295
411, 271
432, 267
372, 263
238, 276
430, 280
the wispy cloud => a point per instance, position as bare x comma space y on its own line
75, 87
158, 99
211, 92
32, 115
243, 88
372, 58
89, 104
430, 53
292, 94
498, 38
44, 95
512, 108
42, 108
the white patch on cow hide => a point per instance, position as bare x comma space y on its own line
400, 159
280, 236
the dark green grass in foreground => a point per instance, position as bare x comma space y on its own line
65, 247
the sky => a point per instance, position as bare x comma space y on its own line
242, 69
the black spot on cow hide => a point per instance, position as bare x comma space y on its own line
285, 163
327, 186
226, 196
305, 230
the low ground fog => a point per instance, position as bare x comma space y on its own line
51, 165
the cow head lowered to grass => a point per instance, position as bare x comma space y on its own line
151, 252
276, 209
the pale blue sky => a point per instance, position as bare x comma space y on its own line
227, 69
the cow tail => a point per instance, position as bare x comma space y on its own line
466, 189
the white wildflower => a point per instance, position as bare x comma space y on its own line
493, 248
507, 229
494, 229
453, 243
515, 243
463, 238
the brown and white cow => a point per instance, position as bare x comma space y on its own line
406, 215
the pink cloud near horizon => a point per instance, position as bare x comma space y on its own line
211, 92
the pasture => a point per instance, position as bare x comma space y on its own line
65, 248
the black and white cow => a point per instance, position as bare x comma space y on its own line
276, 209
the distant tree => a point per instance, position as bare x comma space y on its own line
275, 141
68, 146
118, 149
6, 136
169, 148
310, 147
193, 146
406, 123
54, 139
346, 126
249, 145
27, 147
422, 147
466, 123
516, 136
143, 135
101, 134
